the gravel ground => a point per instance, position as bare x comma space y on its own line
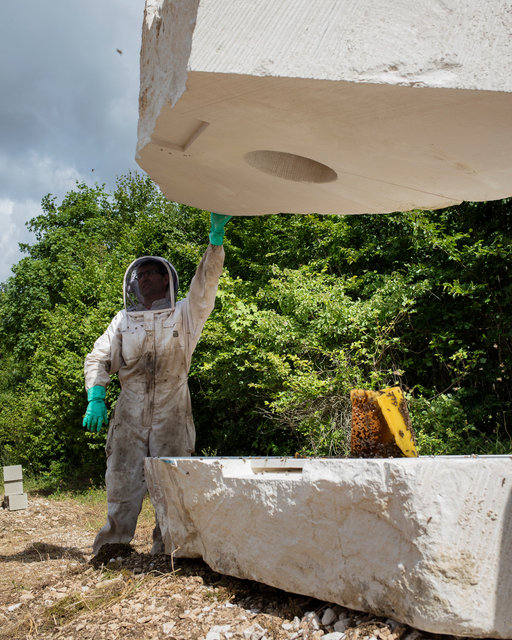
51, 587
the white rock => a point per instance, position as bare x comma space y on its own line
13, 607
27, 596
254, 632
328, 106
334, 636
328, 617
310, 620
217, 632
296, 623
336, 530
222, 628
167, 627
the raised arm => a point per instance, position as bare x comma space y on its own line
203, 288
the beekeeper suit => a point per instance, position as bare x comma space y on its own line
149, 344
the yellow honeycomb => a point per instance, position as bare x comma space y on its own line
381, 427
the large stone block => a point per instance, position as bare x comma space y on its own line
328, 106
426, 541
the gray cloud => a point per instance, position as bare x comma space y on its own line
68, 102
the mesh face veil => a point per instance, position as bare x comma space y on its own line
131, 291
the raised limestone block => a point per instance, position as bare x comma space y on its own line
328, 106
425, 541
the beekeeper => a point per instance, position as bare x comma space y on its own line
149, 344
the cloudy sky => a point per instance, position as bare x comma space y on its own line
68, 103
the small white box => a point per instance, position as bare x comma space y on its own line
13, 488
17, 502
13, 472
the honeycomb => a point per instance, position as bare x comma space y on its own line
381, 427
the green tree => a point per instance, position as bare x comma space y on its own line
308, 307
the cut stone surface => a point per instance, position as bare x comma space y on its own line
13, 487
425, 541
326, 106
16, 502
13, 472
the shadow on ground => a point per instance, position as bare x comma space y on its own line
41, 551
245, 593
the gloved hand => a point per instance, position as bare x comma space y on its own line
96, 413
218, 221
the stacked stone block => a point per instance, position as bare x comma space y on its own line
14, 498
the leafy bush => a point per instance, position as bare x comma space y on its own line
308, 308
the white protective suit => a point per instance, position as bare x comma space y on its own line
151, 350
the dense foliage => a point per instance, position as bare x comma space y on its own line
308, 307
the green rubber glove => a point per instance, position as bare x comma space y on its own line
218, 221
96, 413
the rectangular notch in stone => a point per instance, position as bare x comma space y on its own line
179, 134
270, 465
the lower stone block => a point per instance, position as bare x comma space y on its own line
16, 502
425, 541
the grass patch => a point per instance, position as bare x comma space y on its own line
114, 588
92, 499
111, 590
87, 497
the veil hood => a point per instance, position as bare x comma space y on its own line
131, 293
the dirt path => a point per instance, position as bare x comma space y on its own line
49, 588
